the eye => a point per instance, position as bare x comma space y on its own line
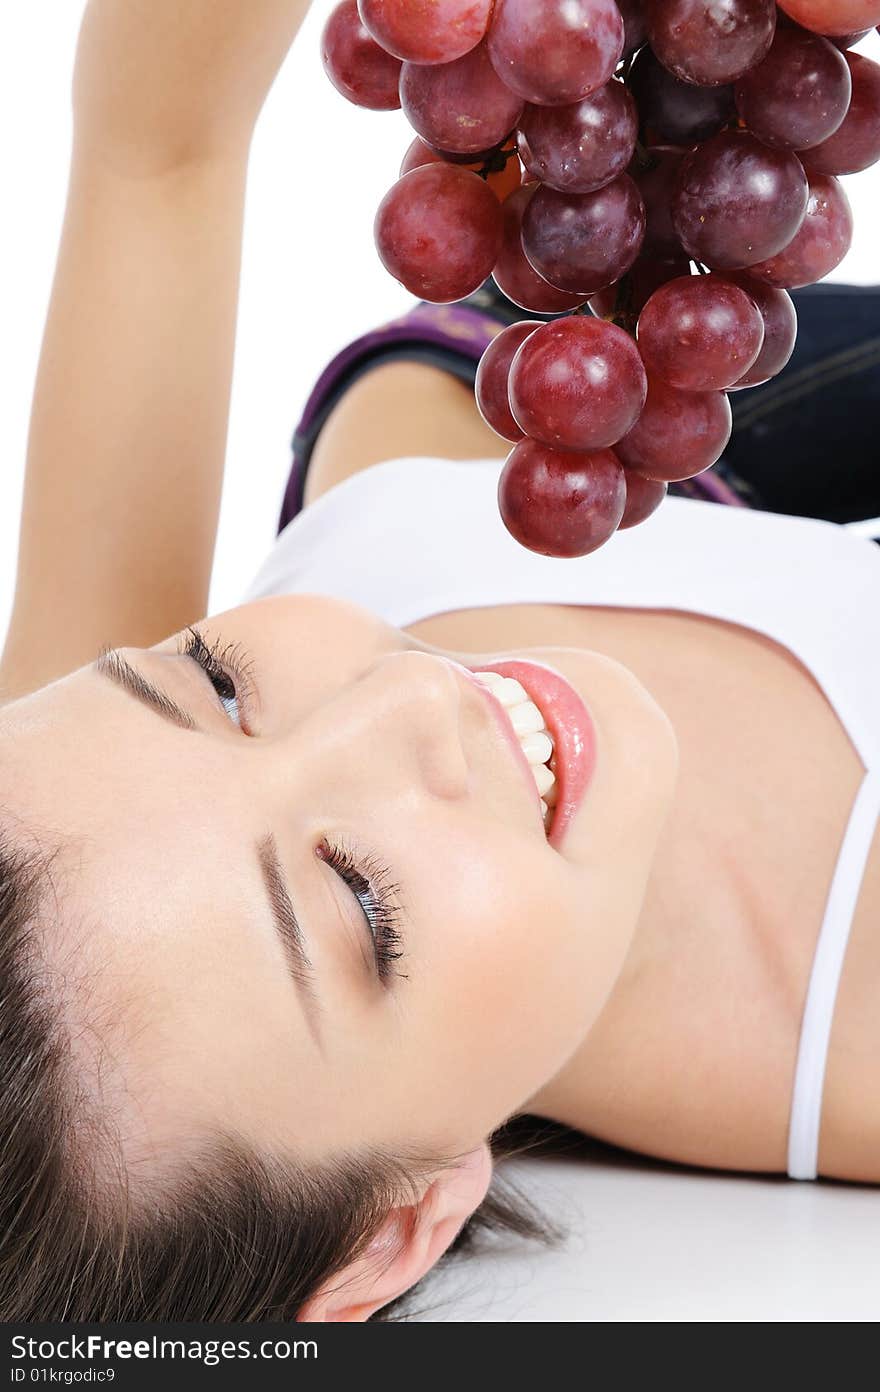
369, 880
228, 668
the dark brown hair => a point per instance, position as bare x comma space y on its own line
238, 1239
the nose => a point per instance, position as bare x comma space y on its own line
418, 696
399, 721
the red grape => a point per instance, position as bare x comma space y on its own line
821, 244
655, 172
855, 145
561, 504
582, 242
634, 23
700, 333
677, 111
848, 40
557, 51
515, 276
503, 181
538, 162
355, 64
578, 148
833, 16
463, 106
710, 44
438, 231
777, 310
643, 497
577, 384
800, 93
738, 202
493, 375
678, 435
435, 33
623, 302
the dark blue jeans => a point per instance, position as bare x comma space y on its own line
809, 442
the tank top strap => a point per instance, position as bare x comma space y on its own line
806, 1105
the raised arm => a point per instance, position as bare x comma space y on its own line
130, 413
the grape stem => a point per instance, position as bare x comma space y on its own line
645, 158
496, 161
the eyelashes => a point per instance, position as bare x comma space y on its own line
369, 879
230, 670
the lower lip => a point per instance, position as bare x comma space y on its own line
574, 737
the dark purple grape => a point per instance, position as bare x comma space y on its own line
493, 376
582, 242
579, 148
824, 239
577, 384
738, 202
463, 107
643, 497
515, 276
855, 145
700, 333
710, 43
436, 33
634, 23
438, 231
358, 68
799, 94
677, 111
623, 302
561, 504
655, 171
833, 16
679, 434
777, 310
555, 52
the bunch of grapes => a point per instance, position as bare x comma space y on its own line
656, 175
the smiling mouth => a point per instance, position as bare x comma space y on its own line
530, 728
570, 728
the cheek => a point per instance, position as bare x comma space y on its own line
512, 968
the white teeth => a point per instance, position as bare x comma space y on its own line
525, 718
537, 747
543, 777
505, 689
535, 739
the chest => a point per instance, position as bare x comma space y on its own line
693, 1058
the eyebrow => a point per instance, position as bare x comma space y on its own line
112, 665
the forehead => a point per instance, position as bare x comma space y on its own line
151, 934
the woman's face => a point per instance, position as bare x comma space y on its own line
382, 780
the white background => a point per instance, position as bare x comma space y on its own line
310, 277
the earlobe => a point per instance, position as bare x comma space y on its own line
411, 1239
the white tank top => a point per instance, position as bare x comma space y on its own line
410, 538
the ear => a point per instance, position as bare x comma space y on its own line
407, 1245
